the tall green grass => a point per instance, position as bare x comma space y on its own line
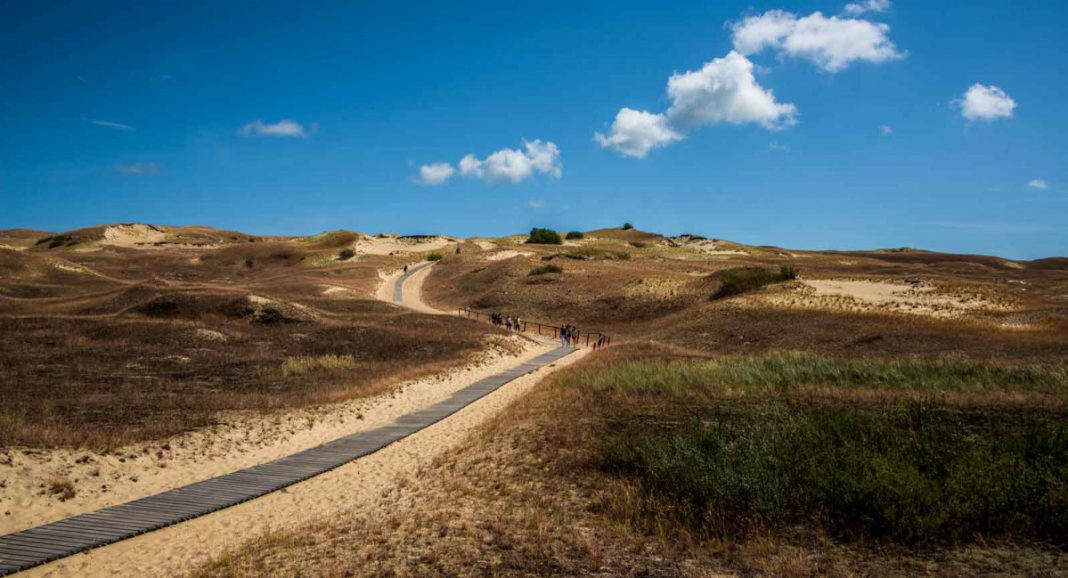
914, 473
729, 445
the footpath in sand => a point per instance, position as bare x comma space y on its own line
351, 489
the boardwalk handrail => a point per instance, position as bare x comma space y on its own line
594, 339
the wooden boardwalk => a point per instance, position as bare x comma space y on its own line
28, 548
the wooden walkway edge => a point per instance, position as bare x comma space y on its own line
43, 544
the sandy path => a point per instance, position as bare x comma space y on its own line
358, 487
412, 290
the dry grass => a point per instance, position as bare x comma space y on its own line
108, 347
314, 364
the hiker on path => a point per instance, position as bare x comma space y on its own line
563, 336
405, 269
508, 322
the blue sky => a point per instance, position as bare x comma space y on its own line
136, 111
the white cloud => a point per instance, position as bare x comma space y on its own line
636, 132
1038, 184
987, 103
776, 146
831, 43
514, 165
724, 90
138, 168
112, 125
505, 165
885, 130
858, 8
536, 204
435, 173
284, 127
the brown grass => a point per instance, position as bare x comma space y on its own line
107, 347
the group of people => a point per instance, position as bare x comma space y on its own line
516, 323
569, 336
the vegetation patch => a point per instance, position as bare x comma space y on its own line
546, 269
544, 237
310, 364
435, 257
627, 226
740, 280
346, 254
574, 235
736, 447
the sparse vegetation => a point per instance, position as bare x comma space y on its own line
544, 237
745, 279
62, 489
435, 257
546, 269
346, 254
627, 226
574, 235
319, 363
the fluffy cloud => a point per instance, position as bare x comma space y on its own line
722, 91
284, 127
138, 168
725, 90
435, 173
885, 130
831, 43
858, 8
112, 125
987, 103
505, 165
636, 132
1038, 184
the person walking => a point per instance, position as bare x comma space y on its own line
563, 336
508, 322
405, 269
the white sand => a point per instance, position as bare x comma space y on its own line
885, 296
132, 235
391, 245
507, 254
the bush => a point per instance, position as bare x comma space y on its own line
574, 235
544, 269
544, 237
346, 254
435, 257
627, 226
745, 279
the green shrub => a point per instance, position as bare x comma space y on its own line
435, 257
544, 237
346, 254
574, 235
745, 279
544, 269
627, 226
